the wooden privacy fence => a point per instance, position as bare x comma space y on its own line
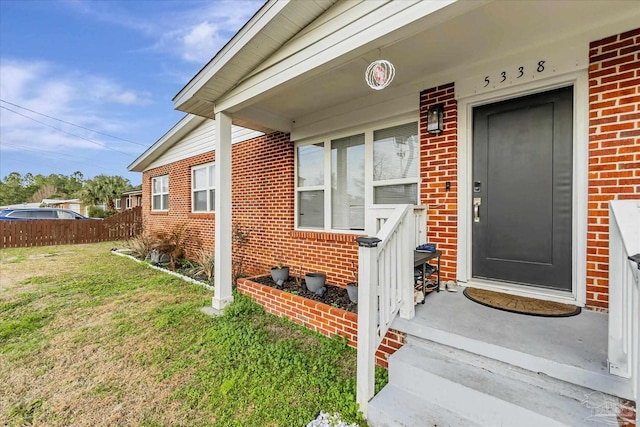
47, 232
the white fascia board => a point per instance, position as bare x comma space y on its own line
340, 16
314, 54
250, 30
188, 123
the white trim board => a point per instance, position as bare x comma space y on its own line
579, 80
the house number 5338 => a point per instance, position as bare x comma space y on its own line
517, 73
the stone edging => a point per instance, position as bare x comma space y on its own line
173, 273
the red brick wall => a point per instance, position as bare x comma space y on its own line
439, 165
614, 146
199, 225
263, 203
322, 318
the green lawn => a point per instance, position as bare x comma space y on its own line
88, 338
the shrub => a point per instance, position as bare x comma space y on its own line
206, 263
240, 236
141, 246
171, 243
96, 212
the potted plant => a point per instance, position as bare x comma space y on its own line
280, 272
352, 287
315, 282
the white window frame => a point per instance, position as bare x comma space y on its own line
161, 193
128, 204
369, 183
118, 203
207, 188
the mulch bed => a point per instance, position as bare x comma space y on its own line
334, 296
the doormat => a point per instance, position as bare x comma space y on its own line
519, 304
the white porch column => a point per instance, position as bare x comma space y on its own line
367, 323
223, 271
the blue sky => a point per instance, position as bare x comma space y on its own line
106, 66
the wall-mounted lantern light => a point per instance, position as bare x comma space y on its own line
435, 116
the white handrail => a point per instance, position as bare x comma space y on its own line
624, 291
385, 285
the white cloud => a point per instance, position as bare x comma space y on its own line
191, 31
105, 90
94, 102
199, 42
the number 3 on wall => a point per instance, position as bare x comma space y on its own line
540, 67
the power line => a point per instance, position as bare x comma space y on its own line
73, 124
64, 131
58, 156
31, 165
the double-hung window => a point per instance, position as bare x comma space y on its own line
310, 182
347, 183
338, 177
160, 193
396, 163
128, 205
203, 188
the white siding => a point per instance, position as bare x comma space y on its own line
199, 141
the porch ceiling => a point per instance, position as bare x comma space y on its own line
460, 35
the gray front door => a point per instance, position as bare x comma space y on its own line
522, 190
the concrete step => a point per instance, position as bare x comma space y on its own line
396, 407
487, 391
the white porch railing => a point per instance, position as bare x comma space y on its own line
385, 283
624, 292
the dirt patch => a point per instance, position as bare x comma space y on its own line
18, 265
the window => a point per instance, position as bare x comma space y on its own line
160, 193
66, 215
128, 205
118, 203
396, 165
378, 166
310, 183
347, 183
203, 188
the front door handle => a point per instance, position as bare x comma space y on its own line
476, 209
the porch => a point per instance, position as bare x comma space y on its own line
460, 354
467, 364
573, 349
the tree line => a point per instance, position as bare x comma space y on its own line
102, 189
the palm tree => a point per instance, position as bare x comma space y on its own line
104, 189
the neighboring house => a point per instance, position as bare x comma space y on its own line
128, 200
71, 204
528, 218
